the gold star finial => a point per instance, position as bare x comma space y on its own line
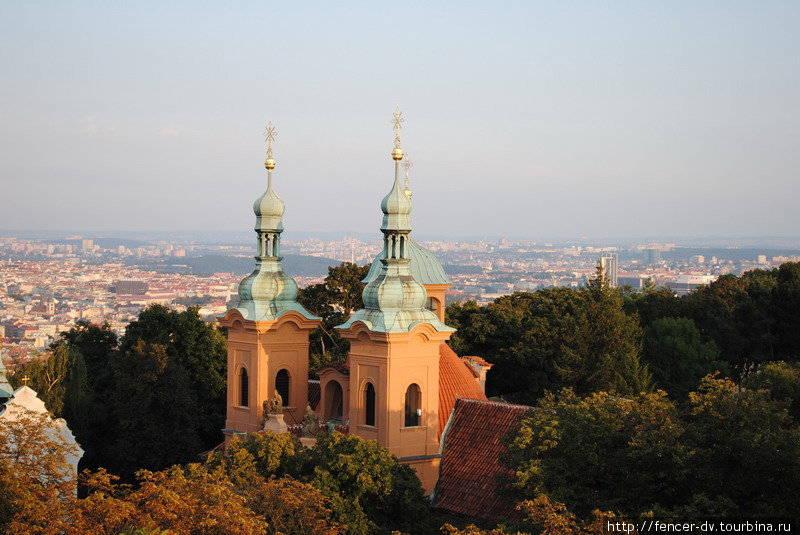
397, 121
407, 164
270, 134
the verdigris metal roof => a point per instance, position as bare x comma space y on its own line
425, 267
268, 292
394, 301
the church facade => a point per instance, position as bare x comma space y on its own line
401, 380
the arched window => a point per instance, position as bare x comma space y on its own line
333, 401
282, 384
413, 405
369, 405
433, 304
244, 389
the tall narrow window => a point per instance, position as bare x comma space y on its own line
244, 388
282, 386
369, 405
413, 405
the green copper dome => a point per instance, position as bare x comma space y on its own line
394, 301
396, 207
269, 209
268, 292
425, 267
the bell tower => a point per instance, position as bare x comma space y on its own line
394, 347
268, 330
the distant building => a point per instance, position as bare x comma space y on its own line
609, 262
87, 245
130, 287
762, 259
686, 283
652, 256
698, 259
637, 283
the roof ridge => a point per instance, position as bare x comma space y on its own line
514, 405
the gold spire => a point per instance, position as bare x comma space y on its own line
397, 121
407, 164
270, 134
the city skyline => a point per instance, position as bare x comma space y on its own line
654, 120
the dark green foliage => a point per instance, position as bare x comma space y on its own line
155, 410
552, 338
368, 489
333, 300
677, 356
199, 350
727, 453
782, 380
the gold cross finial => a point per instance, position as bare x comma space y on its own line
407, 164
397, 121
270, 134
25, 379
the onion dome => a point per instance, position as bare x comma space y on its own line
268, 292
425, 267
394, 300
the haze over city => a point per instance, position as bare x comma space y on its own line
537, 119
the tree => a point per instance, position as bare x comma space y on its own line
787, 311
745, 454
677, 356
370, 491
156, 414
365, 487
199, 349
333, 300
89, 385
521, 334
601, 351
34, 467
600, 451
261, 455
726, 453
180, 501
782, 380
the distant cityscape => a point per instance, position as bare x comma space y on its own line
47, 284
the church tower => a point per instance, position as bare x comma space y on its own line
268, 330
425, 268
394, 347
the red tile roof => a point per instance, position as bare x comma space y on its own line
470, 476
455, 381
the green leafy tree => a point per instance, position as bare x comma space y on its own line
600, 451
677, 356
60, 372
601, 351
521, 334
745, 453
787, 312
89, 387
334, 301
726, 453
782, 380
156, 414
370, 491
196, 347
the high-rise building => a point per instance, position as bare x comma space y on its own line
609, 263
652, 256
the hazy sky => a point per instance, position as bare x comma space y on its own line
522, 118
